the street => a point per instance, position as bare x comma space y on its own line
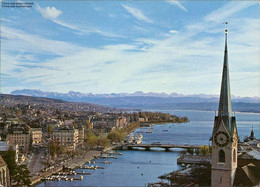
35, 164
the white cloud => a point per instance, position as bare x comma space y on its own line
137, 14
73, 27
49, 12
112, 15
97, 9
6, 20
53, 13
173, 31
177, 62
82, 30
178, 4
124, 68
223, 13
17, 40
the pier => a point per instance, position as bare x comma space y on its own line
89, 167
194, 159
102, 162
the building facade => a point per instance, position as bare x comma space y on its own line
224, 135
104, 124
36, 134
66, 136
120, 122
20, 135
81, 133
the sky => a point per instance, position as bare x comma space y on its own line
128, 46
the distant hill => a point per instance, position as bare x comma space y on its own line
16, 98
11, 100
22, 99
150, 100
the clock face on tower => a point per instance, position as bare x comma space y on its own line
221, 138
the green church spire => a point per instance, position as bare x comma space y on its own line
225, 95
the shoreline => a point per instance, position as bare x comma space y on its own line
75, 162
160, 110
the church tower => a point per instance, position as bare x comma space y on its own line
224, 135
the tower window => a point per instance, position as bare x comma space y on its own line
234, 155
221, 156
220, 180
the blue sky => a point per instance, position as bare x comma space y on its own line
128, 46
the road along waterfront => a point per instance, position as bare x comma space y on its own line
138, 168
77, 161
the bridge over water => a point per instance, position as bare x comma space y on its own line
166, 147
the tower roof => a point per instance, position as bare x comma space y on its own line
225, 96
225, 110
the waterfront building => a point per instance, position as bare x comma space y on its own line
141, 120
4, 173
120, 122
224, 135
20, 135
36, 134
81, 133
104, 124
66, 136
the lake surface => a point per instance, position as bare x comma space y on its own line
138, 168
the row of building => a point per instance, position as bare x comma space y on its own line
24, 136
68, 136
63, 132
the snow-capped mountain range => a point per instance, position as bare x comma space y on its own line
141, 100
78, 96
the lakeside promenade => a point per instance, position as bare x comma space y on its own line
80, 160
77, 161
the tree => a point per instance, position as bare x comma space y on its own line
116, 135
75, 125
204, 150
9, 158
8, 111
19, 174
50, 128
103, 142
91, 139
53, 148
22, 176
61, 150
207, 150
56, 149
19, 113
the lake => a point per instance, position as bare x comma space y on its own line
138, 168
